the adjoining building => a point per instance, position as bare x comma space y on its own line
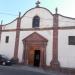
40, 38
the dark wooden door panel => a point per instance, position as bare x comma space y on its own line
31, 56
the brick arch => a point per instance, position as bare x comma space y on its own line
31, 43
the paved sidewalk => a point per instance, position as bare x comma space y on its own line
34, 69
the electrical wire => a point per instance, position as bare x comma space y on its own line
8, 14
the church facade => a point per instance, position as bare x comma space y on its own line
40, 38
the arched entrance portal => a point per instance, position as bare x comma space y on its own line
35, 50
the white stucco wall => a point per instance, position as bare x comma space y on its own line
46, 34
46, 18
66, 52
12, 25
7, 48
63, 21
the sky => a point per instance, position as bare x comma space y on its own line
9, 9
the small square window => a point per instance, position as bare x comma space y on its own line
7, 39
71, 40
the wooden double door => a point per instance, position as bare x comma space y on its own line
34, 57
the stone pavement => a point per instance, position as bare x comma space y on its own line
34, 69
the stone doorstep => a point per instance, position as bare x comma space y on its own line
29, 68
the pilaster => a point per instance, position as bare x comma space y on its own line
55, 63
17, 39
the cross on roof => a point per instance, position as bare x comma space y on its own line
37, 3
